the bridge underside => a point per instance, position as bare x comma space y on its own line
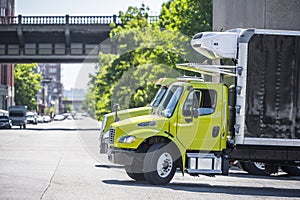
53, 43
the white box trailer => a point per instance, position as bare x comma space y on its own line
266, 119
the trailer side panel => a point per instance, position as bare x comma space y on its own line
273, 87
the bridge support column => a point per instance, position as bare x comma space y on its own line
68, 37
20, 35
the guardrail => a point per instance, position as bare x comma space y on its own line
57, 20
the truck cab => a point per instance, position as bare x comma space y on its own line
189, 124
162, 83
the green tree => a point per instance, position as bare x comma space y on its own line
89, 104
187, 16
147, 53
27, 83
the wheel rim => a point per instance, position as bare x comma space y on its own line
164, 165
260, 165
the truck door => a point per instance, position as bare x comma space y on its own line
202, 132
187, 123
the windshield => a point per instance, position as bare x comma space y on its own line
4, 119
170, 101
158, 96
16, 114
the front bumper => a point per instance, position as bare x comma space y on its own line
103, 144
121, 156
5, 125
18, 123
103, 148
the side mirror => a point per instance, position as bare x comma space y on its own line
195, 113
115, 109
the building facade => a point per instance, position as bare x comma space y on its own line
51, 94
74, 98
264, 14
7, 8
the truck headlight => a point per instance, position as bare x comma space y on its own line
127, 139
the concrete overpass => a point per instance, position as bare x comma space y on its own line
54, 39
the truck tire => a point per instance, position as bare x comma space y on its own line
135, 171
159, 164
291, 170
132, 173
254, 168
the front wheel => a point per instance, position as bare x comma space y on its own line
159, 164
132, 173
135, 171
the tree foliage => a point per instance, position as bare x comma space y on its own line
27, 83
89, 103
187, 16
146, 53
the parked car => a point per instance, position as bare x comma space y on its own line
5, 122
68, 116
46, 118
31, 118
58, 117
40, 119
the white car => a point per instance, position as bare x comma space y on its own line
40, 119
46, 118
31, 118
59, 117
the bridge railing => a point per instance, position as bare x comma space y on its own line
56, 20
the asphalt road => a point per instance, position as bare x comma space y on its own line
60, 160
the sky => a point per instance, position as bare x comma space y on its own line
81, 7
75, 75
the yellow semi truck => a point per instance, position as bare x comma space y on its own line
108, 119
199, 127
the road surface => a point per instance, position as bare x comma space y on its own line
60, 160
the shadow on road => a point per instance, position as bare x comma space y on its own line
282, 176
217, 189
110, 166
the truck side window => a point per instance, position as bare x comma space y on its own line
207, 102
192, 101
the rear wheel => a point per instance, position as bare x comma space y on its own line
255, 168
159, 164
291, 170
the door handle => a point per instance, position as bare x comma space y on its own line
189, 120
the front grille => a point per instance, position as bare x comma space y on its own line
112, 132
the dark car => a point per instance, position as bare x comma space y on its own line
5, 122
